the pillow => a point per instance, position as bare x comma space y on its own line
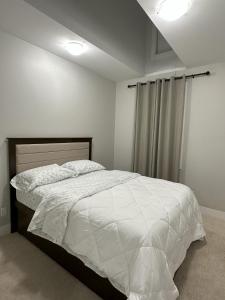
83, 166
30, 179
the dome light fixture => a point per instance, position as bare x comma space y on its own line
75, 48
171, 10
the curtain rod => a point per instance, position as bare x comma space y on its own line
176, 78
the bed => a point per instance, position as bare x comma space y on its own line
132, 229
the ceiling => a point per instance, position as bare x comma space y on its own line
30, 24
119, 34
198, 37
117, 27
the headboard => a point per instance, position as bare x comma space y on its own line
28, 153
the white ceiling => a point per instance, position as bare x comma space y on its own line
117, 27
26, 22
198, 38
118, 33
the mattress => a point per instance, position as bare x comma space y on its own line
29, 199
33, 199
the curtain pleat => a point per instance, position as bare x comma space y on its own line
158, 128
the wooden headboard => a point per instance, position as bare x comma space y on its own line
28, 153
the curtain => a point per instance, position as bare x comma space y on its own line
158, 128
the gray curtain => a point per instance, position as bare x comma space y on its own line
158, 128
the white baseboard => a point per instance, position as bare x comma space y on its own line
5, 229
213, 212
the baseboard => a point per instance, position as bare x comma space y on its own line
5, 229
213, 212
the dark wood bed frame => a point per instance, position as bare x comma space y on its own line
21, 216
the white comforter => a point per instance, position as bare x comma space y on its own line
132, 229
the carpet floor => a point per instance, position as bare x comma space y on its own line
28, 274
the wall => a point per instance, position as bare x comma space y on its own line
204, 147
42, 95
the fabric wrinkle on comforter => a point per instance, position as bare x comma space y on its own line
132, 229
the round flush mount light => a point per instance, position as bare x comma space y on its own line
75, 48
171, 10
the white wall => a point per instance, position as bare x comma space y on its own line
42, 95
204, 148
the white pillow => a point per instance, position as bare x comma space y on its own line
30, 179
83, 166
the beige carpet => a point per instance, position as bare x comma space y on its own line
28, 274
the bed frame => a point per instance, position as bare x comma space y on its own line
25, 153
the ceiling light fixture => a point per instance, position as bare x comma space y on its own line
171, 10
75, 48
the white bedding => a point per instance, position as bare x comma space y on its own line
132, 229
30, 199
